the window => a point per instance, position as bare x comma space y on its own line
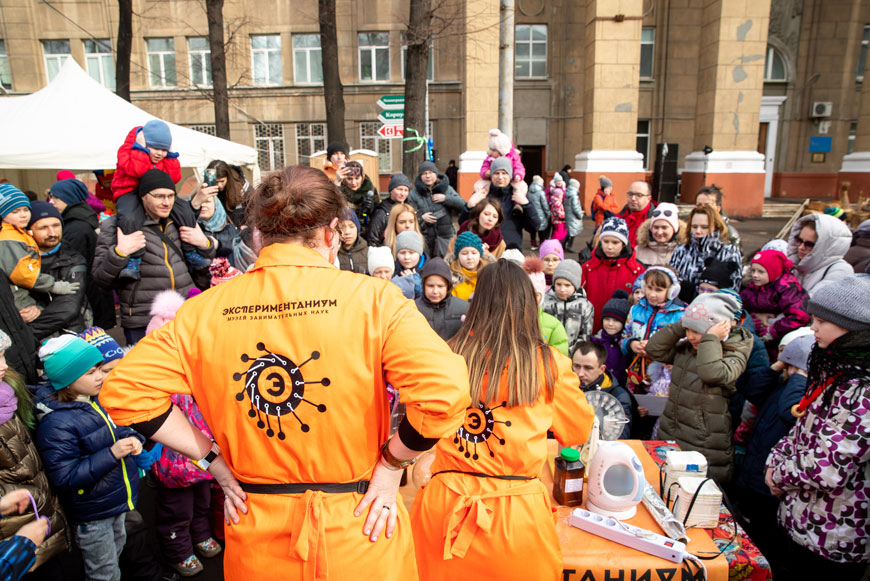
207, 129
862, 54
99, 61
430, 72
853, 132
647, 52
530, 56
5, 74
310, 137
266, 54
369, 139
374, 56
199, 56
642, 143
307, 62
55, 53
774, 67
161, 62
269, 143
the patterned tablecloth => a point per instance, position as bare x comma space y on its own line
745, 561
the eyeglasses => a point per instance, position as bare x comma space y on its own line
163, 198
801, 242
637, 195
656, 213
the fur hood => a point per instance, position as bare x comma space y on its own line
644, 238
164, 308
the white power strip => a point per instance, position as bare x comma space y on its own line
629, 535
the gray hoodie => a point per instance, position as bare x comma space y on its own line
825, 263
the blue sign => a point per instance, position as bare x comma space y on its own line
820, 145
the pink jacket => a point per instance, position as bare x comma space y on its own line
516, 163
172, 469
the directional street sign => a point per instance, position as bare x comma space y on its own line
392, 117
392, 102
391, 131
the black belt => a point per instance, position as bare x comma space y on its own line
359, 487
484, 475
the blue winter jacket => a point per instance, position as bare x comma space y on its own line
644, 320
75, 440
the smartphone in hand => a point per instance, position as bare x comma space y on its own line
211, 177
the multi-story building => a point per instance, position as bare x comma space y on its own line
774, 87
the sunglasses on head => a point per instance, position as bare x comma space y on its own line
668, 213
801, 242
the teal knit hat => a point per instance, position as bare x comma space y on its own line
468, 239
66, 358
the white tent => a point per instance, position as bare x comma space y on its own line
77, 124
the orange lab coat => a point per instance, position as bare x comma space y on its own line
468, 527
295, 322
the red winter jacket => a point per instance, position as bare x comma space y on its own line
634, 219
134, 160
602, 276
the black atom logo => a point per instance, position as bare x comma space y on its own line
275, 387
478, 428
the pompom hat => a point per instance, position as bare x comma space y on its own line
774, 262
499, 142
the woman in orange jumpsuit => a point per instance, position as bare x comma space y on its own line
288, 364
485, 513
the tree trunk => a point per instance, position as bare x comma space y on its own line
418, 37
333, 90
215, 16
125, 46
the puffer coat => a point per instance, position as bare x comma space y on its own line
444, 317
783, 297
651, 253
576, 314
702, 383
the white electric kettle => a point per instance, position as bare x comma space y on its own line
615, 481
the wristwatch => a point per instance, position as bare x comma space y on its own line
392, 460
204, 463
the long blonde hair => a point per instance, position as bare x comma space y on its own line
390, 233
501, 335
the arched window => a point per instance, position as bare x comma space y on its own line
774, 67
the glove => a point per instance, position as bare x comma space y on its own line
63, 287
148, 457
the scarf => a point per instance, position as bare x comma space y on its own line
218, 220
845, 359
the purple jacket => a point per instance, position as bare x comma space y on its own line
616, 360
783, 297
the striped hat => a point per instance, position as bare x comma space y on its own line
11, 198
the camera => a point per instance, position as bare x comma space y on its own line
354, 171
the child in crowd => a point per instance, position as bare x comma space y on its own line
409, 259
716, 276
19, 254
819, 470
87, 458
381, 263
566, 300
146, 148
485, 220
403, 217
709, 352
443, 310
353, 254
466, 264
539, 200
659, 307
556, 201
589, 362
500, 145
552, 330
573, 213
551, 254
613, 318
604, 203
636, 290
612, 265
774, 297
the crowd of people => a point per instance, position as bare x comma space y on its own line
258, 312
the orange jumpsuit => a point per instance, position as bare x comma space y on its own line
288, 364
468, 527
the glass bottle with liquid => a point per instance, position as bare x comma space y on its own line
568, 478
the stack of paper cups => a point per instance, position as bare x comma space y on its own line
705, 511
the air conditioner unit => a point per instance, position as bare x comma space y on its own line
821, 109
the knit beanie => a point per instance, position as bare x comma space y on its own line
437, 267
571, 271
335, 147
380, 256
735, 296
5, 342
40, 210
427, 166
774, 262
97, 337
840, 302
499, 142
572, 183
64, 174
617, 307
409, 240
558, 179
552, 246
718, 273
836, 212
66, 358
863, 230
221, 270
666, 212
468, 239
11, 198
778, 244
604, 182
708, 309
154, 179
535, 269
515, 255
70, 191
398, 179
157, 135
792, 335
797, 352
502, 163
349, 214
616, 228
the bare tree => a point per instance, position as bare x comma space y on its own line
333, 90
215, 17
125, 47
418, 37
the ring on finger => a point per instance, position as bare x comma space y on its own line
386, 506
